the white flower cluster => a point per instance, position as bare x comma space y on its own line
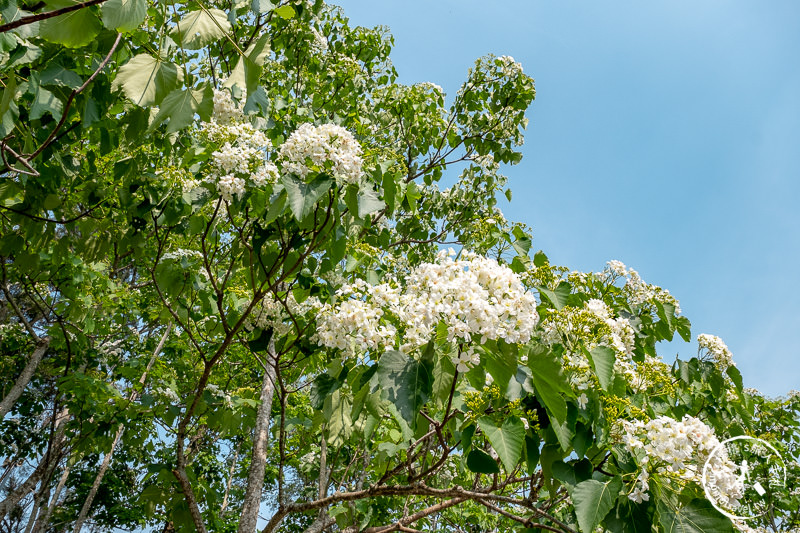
717, 349
241, 153
355, 324
277, 314
593, 325
637, 290
466, 359
509, 66
225, 109
327, 147
472, 295
681, 449
180, 253
622, 336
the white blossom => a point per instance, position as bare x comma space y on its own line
327, 147
716, 349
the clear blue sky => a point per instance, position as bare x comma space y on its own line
665, 134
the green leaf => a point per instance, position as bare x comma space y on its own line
9, 94
481, 462
73, 29
531, 452
262, 6
324, 385
506, 440
146, 80
593, 500
123, 15
340, 424
559, 296
180, 106
304, 196
261, 343
201, 27
602, 359
736, 377
368, 202
285, 12
697, 516
45, 102
406, 382
58, 75
549, 381
247, 72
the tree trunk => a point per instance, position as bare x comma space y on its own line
44, 518
23, 379
255, 479
87, 504
43, 471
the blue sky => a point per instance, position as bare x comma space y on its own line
665, 134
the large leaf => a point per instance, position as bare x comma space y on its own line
502, 364
304, 196
697, 516
602, 359
337, 411
123, 15
406, 382
45, 102
368, 202
506, 440
180, 106
147, 80
201, 27
549, 381
247, 71
593, 500
558, 297
73, 29
481, 462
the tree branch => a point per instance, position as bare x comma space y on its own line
30, 19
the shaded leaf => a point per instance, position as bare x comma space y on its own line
304, 196
406, 382
593, 500
181, 105
73, 29
697, 516
481, 462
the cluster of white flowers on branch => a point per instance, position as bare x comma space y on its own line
588, 327
680, 449
716, 349
638, 291
324, 148
241, 154
471, 296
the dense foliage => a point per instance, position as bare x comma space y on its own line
245, 272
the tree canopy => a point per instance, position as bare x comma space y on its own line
247, 274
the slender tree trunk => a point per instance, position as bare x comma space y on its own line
22, 381
87, 504
255, 479
44, 518
224, 507
42, 494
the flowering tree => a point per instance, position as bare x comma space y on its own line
240, 278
